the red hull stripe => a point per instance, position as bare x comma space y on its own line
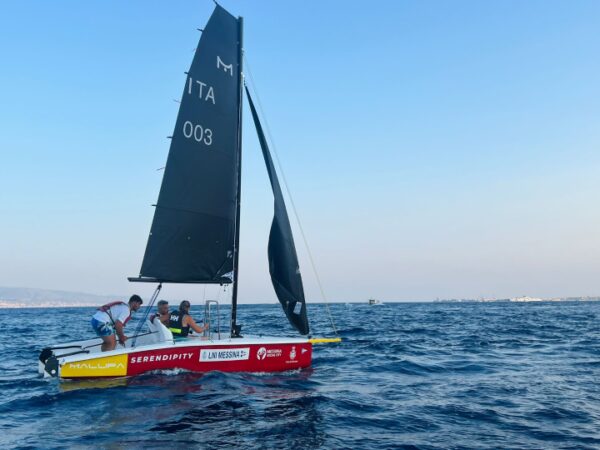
226, 358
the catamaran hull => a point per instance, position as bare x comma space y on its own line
237, 355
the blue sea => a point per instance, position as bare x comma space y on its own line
410, 375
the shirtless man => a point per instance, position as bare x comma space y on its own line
110, 320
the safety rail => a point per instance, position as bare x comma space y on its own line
208, 318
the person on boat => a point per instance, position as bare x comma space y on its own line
110, 320
181, 323
162, 313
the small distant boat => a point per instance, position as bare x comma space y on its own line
195, 235
374, 301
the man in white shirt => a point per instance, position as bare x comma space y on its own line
110, 320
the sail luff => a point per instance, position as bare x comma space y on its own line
283, 260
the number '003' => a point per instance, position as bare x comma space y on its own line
197, 132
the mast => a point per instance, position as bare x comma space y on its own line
235, 330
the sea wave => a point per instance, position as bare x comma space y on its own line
406, 376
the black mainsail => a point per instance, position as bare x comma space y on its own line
283, 261
192, 237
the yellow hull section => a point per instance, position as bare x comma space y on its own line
108, 366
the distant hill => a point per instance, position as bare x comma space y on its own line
18, 297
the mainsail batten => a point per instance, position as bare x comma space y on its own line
193, 230
283, 260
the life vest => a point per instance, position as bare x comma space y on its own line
106, 309
176, 324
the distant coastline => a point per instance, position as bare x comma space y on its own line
20, 297
523, 299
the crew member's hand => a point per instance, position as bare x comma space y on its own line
122, 340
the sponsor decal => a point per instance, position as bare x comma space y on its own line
157, 358
303, 351
95, 366
109, 366
224, 354
293, 353
274, 353
263, 353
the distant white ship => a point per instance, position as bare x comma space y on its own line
373, 301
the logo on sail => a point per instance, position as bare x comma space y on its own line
226, 67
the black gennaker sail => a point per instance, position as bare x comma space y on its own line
283, 261
195, 232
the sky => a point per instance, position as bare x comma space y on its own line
433, 149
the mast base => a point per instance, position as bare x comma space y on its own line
236, 331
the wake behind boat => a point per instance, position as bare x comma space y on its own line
195, 235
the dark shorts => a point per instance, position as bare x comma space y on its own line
102, 329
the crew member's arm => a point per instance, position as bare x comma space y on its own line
165, 319
189, 321
120, 334
122, 319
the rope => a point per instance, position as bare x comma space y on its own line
287, 189
143, 321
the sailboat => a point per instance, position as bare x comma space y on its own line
195, 235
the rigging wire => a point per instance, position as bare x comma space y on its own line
287, 189
143, 321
